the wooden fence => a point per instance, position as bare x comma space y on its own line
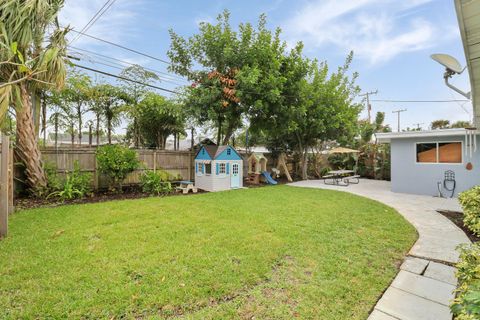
177, 163
6, 184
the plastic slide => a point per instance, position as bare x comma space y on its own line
268, 178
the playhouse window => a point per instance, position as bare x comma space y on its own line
229, 151
222, 169
208, 168
439, 152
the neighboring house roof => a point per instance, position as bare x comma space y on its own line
388, 136
215, 151
468, 14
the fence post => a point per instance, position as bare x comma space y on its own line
11, 208
155, 161
4, 186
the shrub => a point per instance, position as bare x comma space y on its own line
116, 162
76, 185
54, 183
156, 182
466, 305
470, 201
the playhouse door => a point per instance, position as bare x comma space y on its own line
235, 176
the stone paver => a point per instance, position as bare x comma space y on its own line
414, 265
428, 288
403, 305
379, 315
441, 272
423, 288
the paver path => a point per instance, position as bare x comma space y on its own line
423, 288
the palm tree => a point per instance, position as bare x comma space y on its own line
32, 53
109, 103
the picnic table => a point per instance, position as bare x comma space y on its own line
341, 177
186, 186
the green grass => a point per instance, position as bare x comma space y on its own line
269, 253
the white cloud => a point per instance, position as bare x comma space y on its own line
114, 25
377, 30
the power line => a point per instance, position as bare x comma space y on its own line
420, 101
95, 18
172, 76
122, 47
124, 78
121, 67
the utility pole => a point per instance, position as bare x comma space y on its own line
418, 125
398, 116
369, 106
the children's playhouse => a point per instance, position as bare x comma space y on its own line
218, 168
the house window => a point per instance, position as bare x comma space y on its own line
222, 168
208, 168
450, 152
199, 168
229, 152
427, 152
439, 152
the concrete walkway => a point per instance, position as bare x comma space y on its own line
423, 289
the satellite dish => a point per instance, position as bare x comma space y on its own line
448, 62
452, 66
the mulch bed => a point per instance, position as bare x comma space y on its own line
100, 196
457, 218
130, 192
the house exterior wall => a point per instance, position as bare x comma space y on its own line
408, 176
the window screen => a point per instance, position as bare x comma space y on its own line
427, 152
450, 152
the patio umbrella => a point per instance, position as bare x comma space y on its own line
346, 150
342, 150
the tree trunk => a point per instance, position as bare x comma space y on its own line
79, 115
72, 135
135, 133
44, 121
98, 130
109, 129
90, 135
305, 164
28, 149
219, 132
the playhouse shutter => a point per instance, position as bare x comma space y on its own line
203, 168
217, 168
196, 167
228, 168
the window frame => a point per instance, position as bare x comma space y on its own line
206, 171
220, 173
437, 143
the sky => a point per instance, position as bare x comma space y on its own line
392, 42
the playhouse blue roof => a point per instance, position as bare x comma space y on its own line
217, 153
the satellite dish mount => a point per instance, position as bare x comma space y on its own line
452, 66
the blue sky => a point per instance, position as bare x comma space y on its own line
392, 41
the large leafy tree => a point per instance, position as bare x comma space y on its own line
159, 118
231, 71
32, 53
315, 106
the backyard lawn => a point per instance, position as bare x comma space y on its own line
269, 253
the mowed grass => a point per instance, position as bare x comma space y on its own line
269, 253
